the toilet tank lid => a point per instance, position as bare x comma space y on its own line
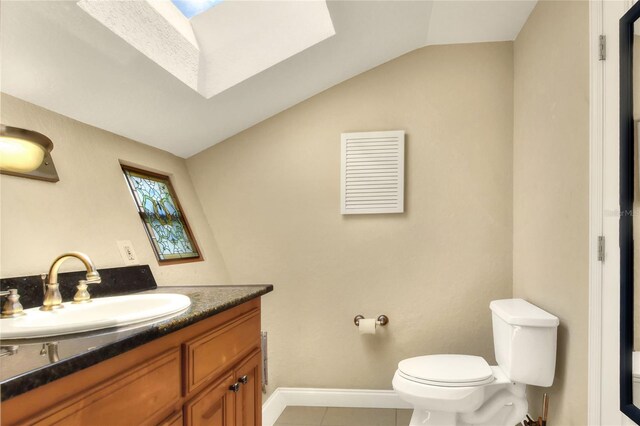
521, 312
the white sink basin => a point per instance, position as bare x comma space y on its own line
106, 312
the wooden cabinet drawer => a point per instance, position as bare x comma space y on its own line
208, 355
142, 396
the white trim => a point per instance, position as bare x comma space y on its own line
596, 138
272, 408
310, 397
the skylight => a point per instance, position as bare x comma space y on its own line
213, 50
191, 8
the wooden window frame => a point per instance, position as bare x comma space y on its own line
167, 180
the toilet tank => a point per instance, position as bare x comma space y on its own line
524, 340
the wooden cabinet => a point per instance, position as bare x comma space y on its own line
139, 396
249, 395
205, 374
214, 406
208, 355
233, 400
174, 420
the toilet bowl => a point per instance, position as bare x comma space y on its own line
458, 402
465, 390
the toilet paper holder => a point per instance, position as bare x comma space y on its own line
381, 320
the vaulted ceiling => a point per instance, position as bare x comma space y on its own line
56, 55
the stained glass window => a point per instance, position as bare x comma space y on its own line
163, 218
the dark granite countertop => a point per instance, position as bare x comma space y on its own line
27, 364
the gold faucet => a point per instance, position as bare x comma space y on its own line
51, 350
52, 296
12, 307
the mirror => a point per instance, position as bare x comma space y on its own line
629, 204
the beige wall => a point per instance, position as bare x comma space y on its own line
271, 195
550, 184
90, 208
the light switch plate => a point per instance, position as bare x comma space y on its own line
127, 252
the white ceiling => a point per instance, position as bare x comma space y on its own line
219, 47
239, 39
57, 56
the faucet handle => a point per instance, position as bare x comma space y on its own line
82, 295
12, 307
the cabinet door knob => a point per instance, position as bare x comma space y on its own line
243, 380
235, 387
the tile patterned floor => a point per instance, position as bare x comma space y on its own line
332, 416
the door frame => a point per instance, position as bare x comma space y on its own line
604, 215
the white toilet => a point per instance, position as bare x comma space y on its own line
466, 390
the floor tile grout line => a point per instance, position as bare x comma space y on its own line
306, 422
324, 415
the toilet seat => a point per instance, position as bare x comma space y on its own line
447, 370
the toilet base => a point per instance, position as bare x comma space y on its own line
505, 406
440, 418
435, 418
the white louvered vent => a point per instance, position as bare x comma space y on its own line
372, 179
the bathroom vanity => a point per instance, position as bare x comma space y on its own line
202, 366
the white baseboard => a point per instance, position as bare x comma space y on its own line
310, 397
272, 408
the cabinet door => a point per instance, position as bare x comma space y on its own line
214, 406
249, 396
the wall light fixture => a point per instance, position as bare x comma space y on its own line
26, 153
